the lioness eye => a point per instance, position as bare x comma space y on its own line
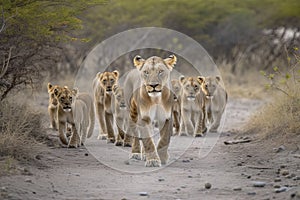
111, 80
146, 73
206, 86
70, 98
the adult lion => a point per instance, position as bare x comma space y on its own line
215, 102
148, 94
103, 96
76, 109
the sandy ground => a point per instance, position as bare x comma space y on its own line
103, 171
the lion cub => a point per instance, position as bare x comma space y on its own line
192, 107
215, 101
52, 107
121, 115
77, 110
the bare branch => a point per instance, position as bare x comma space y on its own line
3, 20
5, 64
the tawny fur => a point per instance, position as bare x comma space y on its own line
192, 107
149, 98
215, 101
103, 96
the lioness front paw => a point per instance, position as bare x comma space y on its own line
153, 163
183, 134
198, 135
110, 140
127, 144
119, 143
136, 156
73, 145
102, 137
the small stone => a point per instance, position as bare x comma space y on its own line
77, 174
277, 179
190, 176
282, 166
296, 178
183, 186
284, 172
237, 189
28, 180
185, 161
259, 184
86, 154
295, 195
191, 158
207, 185
281, 189
276, 186
143, 193
161, 179
127, 162
124, 198
240, 164
38, 157
251, 193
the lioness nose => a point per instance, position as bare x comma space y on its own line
154, 85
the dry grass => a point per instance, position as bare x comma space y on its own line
247, 84
20, 129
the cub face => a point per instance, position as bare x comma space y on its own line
155, 72
107, 80
119, 97
190, 87
209, 85
65, 98
52, 91
176, 87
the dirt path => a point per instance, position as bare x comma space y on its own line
231, 170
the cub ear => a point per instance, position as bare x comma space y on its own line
75, 91
218, 78
200, 79
171, 61
116, 73
181, 79
49, 86
115, 88
138, 62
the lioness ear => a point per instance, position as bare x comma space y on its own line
49, 86
171, 61
138, 62
75, 91
181, 79
99, 75
116, 73
115, 87
200, 79
218, 78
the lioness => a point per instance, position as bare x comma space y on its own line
192, 107
103, 95
121, 115
149, 98
78, 110
52, 107
215, 101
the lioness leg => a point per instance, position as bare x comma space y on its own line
198, 125
176, 122
61, 134
75, 139
100, 112
136, 149
216, 121
53, 119
164, 141
120, 136
109, 129
186, 117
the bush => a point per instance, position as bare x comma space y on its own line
20, 129
280, 118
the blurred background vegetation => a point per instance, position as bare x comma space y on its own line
47, 38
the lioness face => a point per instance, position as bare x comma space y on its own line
108, 80
51, 92
176, 87
65, 98
119, 97
209, 85
155, 72
190, 87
